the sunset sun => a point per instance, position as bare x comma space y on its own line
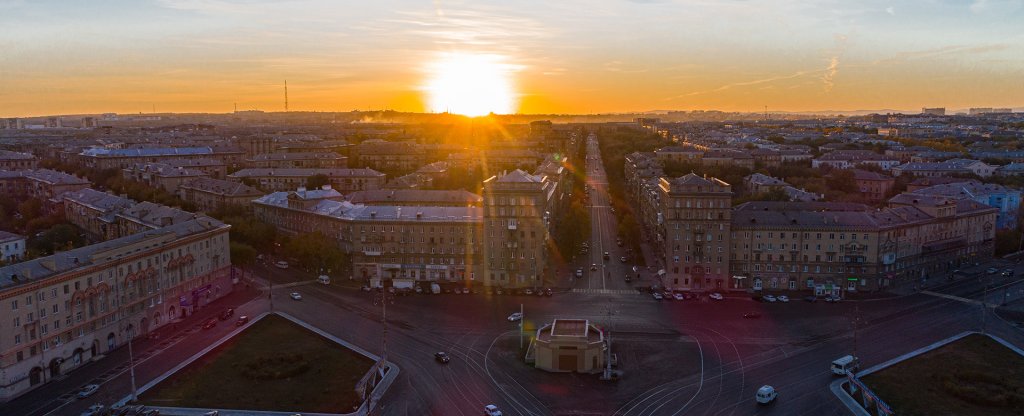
470, 84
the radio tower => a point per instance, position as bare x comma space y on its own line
286, 96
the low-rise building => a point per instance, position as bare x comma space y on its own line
162, 175
17, 161
344, 180
65, 310
570, 345
873, 186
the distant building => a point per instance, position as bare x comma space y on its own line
935, 111
1006, 200
297, 160
17, 161
12, 247
104, 158
845, 159
209, 194
421, 197
344, 180
946, 168
162, 175
873, 186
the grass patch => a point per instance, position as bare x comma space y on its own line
972, 376
273, 365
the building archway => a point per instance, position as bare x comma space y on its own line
35, 376
156, 319
111, 342
144, 325
55, 367
95, 349
131, 331
76, 357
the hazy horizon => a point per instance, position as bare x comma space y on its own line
185, 56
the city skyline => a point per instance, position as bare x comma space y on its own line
532, 57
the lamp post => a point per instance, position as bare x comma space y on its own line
131, 364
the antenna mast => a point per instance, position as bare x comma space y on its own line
286, 96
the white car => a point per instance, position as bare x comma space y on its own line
515, 316
677, 296
766, 394
93, 410
657, 296
716, 296
295, 296
492, 410
769, 298
281, 264
783, 298
88, 390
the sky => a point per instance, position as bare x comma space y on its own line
566, 56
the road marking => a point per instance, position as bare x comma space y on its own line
607, 291
958, 299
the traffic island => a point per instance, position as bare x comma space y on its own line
971, 374
274, 364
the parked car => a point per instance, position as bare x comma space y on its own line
548, 292
657, 296
716, 296
811, 299
991, 270
366, 289
94, 410
89, 390
491, 410
242, 320
783, 298
768, 298
227, 314
678, 296
831, 298
529, 291
752, 315
515, 316
281, 264
1007, 273
295, 296
210, 323
766, 394
442, 357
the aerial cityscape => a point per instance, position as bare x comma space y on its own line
621, 208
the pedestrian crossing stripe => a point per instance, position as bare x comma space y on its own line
607, 291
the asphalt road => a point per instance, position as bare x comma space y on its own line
610, 274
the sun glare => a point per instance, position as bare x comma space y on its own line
470, 84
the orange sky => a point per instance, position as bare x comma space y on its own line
557, 57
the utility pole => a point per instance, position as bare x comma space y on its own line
984, 307
522, 320
131, 364
855, 322
286, 96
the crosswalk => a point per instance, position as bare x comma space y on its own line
607, 291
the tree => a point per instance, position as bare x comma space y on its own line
242, 254
317, 181
315, 251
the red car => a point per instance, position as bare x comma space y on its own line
210, 323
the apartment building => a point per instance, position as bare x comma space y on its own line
12, 247
946, 168
516, 223
297, 160
873, 186
694, 230
113, 158
67, 309
209, 194
17, 161
344, 180
162, 175
416, 197
389, 156
845, 159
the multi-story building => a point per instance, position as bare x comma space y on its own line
216, 169
403, 244
695, 226
873, 186
416, 197
344, 180
1006, 200
95, 211
162, 175
759, 183
12, 247
516, 223
297, 160
17, 161
845, 159
947, 168
108, 158
212, 194
64, 310
389, 156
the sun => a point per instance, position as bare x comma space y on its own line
470, 84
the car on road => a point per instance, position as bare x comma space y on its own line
88, 390
991, 270
442, 357
579, 272
768, 298
629, 278
528, 291
515, 316
606, 256
766, 394
678, 296
491, 410
229, 312
281, 264
366, 289
210, 323
845, 364
657, 296
752, 315
618, 242
1007, 273
94, 410
241, 320
716, 296
593, 267
783, 298
623, 259
295, 296
811, 299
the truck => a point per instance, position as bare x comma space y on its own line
435, 288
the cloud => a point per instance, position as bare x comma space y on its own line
744, 84
890, 10
830, 73
995, 6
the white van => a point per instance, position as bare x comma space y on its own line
324, 279
766, 394
844, 365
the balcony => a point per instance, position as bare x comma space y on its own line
512, 226
372, 252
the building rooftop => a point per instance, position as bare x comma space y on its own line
147, 152
9, 155
100, 253
101, 201
6, 236
414, 195
54, 177
222, 187
305, 172
296, 156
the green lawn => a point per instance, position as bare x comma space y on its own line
273, 365
972, 376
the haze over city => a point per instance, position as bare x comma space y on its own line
60, 57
